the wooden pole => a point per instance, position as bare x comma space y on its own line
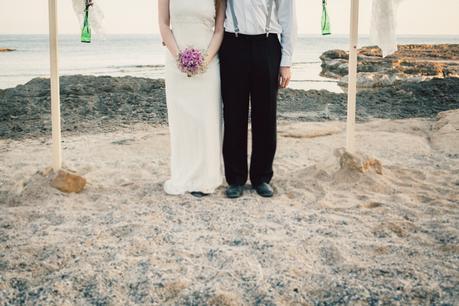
54, 77
352, 77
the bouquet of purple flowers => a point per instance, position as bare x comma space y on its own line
192, 61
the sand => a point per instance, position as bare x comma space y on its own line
330, 235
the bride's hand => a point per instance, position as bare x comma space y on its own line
207, 60
176, 53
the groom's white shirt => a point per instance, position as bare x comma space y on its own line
251, 18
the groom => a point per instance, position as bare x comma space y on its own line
255, 60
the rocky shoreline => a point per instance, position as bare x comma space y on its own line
104, 103
7, 49
411, 63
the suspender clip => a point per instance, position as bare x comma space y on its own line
268, 17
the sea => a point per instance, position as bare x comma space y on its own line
142, 55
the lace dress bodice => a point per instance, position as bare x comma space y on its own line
192, 22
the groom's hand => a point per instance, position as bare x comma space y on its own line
284, 77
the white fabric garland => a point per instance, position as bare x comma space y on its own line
96, 17
384, 24
382, 28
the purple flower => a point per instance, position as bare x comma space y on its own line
191, 61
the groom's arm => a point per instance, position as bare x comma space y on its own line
286, 12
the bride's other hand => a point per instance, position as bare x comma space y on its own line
207, 60
217, 38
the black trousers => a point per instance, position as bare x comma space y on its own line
249, 70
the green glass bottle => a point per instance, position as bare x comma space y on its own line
86, 31
325, 19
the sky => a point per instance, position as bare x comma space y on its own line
418, 17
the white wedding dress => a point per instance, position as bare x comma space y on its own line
194, 104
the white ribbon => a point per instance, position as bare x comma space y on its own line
96, 17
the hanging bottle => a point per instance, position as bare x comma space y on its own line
325, 19
86, 30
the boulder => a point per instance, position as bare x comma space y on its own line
66, 180
445, 132
411, 63
358, 162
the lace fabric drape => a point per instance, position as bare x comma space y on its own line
384, 24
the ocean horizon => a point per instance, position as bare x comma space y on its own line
142, 55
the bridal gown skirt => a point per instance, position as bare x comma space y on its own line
195, 123
194, 105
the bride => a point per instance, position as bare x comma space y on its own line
193, 102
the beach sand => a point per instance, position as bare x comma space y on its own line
331, 234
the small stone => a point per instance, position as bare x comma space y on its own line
46, 172
372, 163
68, 181
358, 162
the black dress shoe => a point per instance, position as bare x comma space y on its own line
234, 191
264, 190
199, 194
